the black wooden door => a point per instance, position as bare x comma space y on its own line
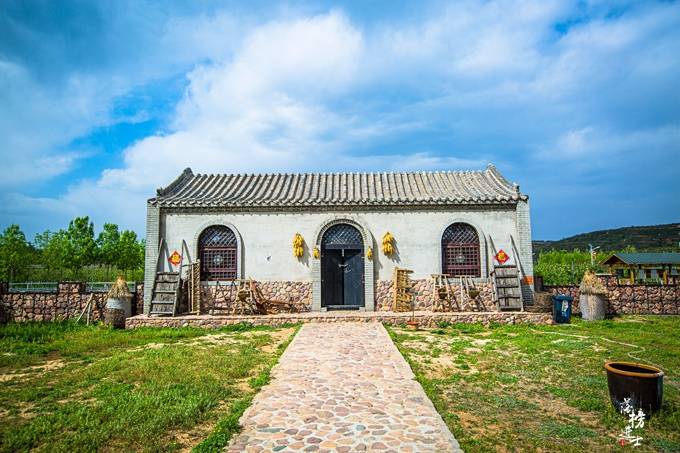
331, 278
342, 267
353, 276
342, 278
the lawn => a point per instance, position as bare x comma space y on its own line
75, 388
543, 388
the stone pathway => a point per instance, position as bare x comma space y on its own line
343, 387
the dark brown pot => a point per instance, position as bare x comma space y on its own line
643, 384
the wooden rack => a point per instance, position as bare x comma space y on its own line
402, 293
443, 297
194, 282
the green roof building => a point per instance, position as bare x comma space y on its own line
645, 267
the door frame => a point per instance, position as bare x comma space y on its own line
369, 265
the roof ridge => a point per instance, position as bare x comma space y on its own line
183, 178
324, 173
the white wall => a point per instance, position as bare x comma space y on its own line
267, 252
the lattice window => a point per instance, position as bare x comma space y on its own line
217, 250
342, 234
460, 251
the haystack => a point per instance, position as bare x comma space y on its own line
119, 289
592, 298
118, 304
592, 285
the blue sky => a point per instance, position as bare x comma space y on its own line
578, 102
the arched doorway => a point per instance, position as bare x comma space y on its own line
460, 251
342, 268
218, 252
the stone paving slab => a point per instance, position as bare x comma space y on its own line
343, 387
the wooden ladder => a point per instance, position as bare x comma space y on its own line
166, 293
507, 287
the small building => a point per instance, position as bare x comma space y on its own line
661, 268
240, 226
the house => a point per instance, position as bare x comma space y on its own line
645, 267
463, 224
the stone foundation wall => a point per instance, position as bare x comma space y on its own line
65, 303
219, 299
422, 290
425, 319
630, 299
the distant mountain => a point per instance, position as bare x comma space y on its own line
643, 238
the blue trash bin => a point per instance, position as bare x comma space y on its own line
562, 308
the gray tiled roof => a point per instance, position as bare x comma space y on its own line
645, 258
339, 189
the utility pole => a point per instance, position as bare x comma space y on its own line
592, 254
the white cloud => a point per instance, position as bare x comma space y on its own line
598, 147
259, 110
37, 125
305, 93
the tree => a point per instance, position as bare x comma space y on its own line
15, 253
53, 251
82, 247
130, 251
108, 246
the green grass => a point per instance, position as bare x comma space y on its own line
543, 388
77, 388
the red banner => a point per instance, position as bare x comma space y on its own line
502, 257
175, 258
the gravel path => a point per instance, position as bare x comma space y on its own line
343, 387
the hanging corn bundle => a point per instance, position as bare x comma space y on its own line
388, 244
298, 245
369, 254
315, 252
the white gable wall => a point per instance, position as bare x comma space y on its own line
267, 252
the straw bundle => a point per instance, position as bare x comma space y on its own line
119, 289
592, 285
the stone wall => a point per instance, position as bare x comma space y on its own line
67, 302
630, 299
423, 296
424, 319
218, 299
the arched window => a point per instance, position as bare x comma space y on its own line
342, 235
460, 251
217, 250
